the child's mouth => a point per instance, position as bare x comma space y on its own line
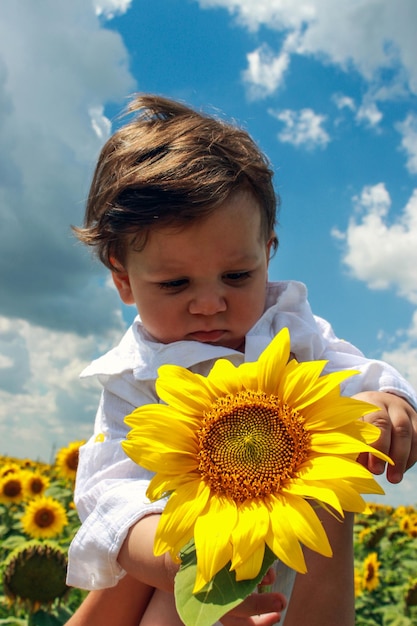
207, 336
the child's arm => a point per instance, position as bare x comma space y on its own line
122, 605
398, 423
137, 558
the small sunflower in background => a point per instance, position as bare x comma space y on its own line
370, 578
36, 483
358, 582
44, 518
12, 487
9, 467
67, 460
408, 524
35, 575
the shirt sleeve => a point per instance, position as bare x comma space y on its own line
110, 496
374, 375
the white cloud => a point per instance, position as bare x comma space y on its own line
110, 8
42, 402
408, 130
379, 252
265, 72
339, 33
277, 14
344, 102
100, 123
369, 114
383, 253
302, 128
58, 67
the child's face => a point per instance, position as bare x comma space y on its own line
205, 282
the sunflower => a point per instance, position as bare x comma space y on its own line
34, 574
36, 483
12, 487
67, 459
370, 579
44, 518
408, 524
357, 582
10, 467
372, 536
245, 453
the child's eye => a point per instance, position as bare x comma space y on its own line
236, 277
174, 285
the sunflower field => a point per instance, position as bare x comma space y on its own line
38, 521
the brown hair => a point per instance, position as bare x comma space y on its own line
167, 166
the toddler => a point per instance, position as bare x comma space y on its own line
182, 211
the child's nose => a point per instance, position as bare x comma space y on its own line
208, 301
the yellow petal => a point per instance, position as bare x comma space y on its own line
340, 443
320, 492
334, 411
162, 485
159, 487
212, 532
349, 497
307, 526
252, 565
249, 532
273, 361
185, 391
299, 381
156, 457
323, 386
281, 537
248, 375
179, 516
181, 438
223, 378
160, 413
331, 467
363, 485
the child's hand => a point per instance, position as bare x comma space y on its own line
258, 609
398, 423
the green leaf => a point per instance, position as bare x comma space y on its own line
13, 542
42, 618
221, 595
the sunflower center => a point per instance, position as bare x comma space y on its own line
36, 485
12, 488
370, 572
71, 460
44, 518
249, 444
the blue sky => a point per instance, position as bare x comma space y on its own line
328, 90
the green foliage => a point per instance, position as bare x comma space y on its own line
387, 594
17, 611
217, 598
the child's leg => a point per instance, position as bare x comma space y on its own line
161, 610
123, 605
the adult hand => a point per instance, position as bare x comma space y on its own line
258, 609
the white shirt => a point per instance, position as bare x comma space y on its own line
110, 488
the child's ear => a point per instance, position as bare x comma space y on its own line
122, 283
269, 246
